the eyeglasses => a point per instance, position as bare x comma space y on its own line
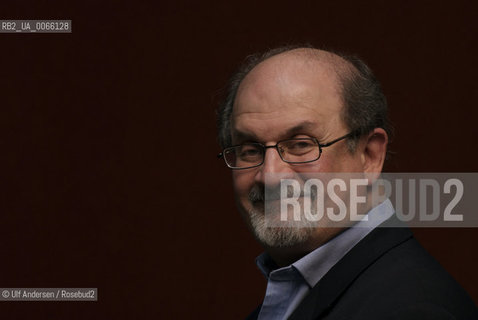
294, 151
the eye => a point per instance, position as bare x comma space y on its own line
301, 145
249, 152
298, 147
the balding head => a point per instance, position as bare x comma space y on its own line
305, 59
295, 82
364, 105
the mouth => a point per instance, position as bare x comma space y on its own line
275, 203
258, 204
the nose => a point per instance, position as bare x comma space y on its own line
273, 169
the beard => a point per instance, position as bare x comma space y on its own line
265, 220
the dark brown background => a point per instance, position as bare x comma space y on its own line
107, 135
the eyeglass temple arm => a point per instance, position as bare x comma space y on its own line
328, 144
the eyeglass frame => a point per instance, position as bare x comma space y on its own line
320, 145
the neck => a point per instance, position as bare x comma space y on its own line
285, 256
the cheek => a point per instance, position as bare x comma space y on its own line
346, 163
322, 165
243, 182
339, 160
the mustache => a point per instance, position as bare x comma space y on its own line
261, 193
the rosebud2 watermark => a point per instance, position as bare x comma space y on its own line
337, 199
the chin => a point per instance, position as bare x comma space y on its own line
275, 237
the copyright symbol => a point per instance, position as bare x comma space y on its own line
5, 293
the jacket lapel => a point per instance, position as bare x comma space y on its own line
336, 281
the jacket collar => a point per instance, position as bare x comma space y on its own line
334, 283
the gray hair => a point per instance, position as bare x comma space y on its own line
365, 105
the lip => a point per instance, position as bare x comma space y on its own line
280, 199
258, 203
273, 202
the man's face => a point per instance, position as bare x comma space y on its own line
287, 96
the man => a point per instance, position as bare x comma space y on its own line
294, 111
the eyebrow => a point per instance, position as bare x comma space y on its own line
305, 126
300, 128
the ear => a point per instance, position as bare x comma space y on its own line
374, 152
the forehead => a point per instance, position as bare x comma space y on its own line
286, 92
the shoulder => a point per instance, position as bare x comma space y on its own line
405, 281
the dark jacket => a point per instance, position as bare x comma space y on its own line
387, 275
